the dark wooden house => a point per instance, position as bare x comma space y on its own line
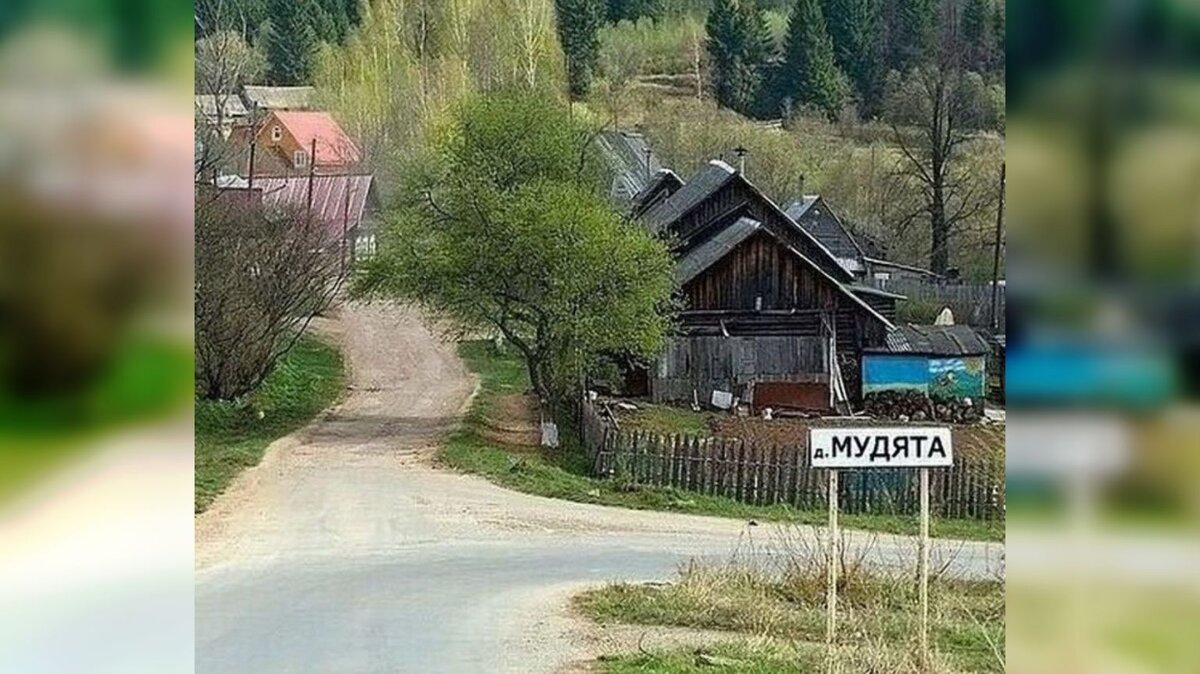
770, 314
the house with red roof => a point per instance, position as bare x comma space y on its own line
293, 142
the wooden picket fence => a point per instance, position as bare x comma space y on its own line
767, 475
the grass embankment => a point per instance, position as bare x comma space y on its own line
230, 436
564, 473
776, 620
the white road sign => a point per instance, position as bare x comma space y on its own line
908, 447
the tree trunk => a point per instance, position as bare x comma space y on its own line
939, 252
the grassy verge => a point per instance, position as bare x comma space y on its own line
776, 620
563, 473
230, 436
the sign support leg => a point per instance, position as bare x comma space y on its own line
832, 577
923, 571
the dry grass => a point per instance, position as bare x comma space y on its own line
776, 597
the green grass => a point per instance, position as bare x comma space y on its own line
779, 616
229, 435
564, 473
150, 377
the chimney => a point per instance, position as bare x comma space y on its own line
646, 151
741, 153
801, 185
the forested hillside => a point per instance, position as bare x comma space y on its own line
893, 109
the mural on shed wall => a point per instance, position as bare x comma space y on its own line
956, 377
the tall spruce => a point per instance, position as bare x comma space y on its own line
738, 46
913, 27
977, 36
810, 75
579, 23
292, 42
999, 16
855, 29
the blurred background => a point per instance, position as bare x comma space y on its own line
1103, 372
95, 335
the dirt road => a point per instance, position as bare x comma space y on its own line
346, 551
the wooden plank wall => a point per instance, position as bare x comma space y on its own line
707, 363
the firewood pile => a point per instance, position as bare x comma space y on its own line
917, 406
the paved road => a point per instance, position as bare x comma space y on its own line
346, 551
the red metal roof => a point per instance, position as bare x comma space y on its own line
334, 147
339, 201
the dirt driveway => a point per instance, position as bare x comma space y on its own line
345, 550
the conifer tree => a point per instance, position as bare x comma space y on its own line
912, 32
810, 76
292, 42
855, 30
578, 23
738, 46
977, 34
999, 45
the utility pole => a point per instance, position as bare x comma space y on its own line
994, 322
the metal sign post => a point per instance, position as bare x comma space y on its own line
864, 448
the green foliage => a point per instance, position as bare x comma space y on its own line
578, 24
665, 46
912, 29
976, 30
738, 46
232, 435
292, 41
809, 76
512, 234
633, 10
855, 30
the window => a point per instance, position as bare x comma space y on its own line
300, 158
277, 133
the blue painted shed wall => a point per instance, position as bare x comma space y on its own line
958, 377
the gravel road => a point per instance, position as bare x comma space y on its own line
346, 551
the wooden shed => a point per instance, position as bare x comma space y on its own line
948, 361
769, 310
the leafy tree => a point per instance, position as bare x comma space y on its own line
809, 75
261, 276
509, 230
738, 46
292, 42
579, 24
912, 31
854, 28
934, 112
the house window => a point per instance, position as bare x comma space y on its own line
277, 133
300, 158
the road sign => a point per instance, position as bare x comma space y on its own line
909, 447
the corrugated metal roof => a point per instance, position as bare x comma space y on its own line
710, 179
329, 197
708, 253
799, 207
627, 155
660, 179
279, 98
937, 340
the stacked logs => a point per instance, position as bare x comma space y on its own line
917, 406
